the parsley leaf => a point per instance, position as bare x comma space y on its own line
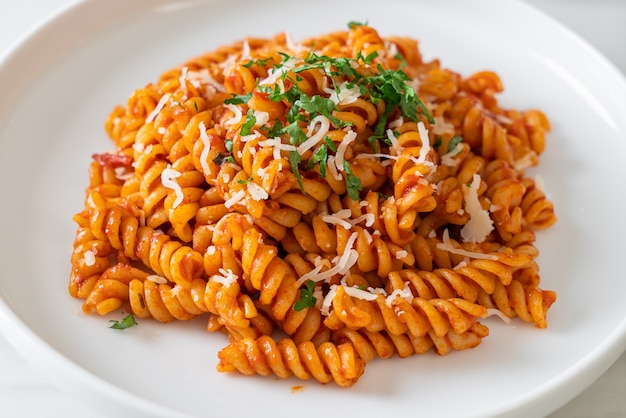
322, 105
228, 143
246, 128
353, 183
320, 156
275, 130
454, 142
127, 322
295, 132
294, 160
238, 99
352, 24
307, 300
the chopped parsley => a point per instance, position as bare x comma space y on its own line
454, 142
238, 99
307, 300
246, 128
353, 183
127, 322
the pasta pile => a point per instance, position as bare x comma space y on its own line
322, 203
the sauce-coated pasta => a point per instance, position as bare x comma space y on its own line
340, 191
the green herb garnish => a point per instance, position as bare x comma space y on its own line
238, 99
353, 183
454, 142
307, 300
127, 322
246, 128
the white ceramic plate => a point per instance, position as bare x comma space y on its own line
60, 84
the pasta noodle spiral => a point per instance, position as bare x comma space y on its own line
341, 190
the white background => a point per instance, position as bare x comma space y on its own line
24, 392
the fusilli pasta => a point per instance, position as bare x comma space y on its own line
342, 191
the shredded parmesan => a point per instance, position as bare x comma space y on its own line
156, 279
339, 218
211, 249
342, 264
499, 314
448, 158
158, 107
315, 138
261, 117
183, 81
405, 293
328, 300
442, 126
425, 148
341, 149
395, 148
401, 254
276, 73
539, 184
278, 146
355, 292
235, 198
204, 155
236, 117
256, 192
527, 160
332, 167
345, 95
226, 277
167, 179
480, 224
446, 245
396, 123
90, 258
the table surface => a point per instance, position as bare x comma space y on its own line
602, 23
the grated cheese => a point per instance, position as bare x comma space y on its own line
425, 149
278, 146
395, 147
480, 224
236, 117
442, 126
499, 314
332, 167
396, 123
90, 258
167, 179
183, 82
261, 117
446, 245
256, 192
158, 107
156, 279
401, 254
315, 138
235, 198
204, 155
355, 292
211, 249
226, 277
343, 95
342, 264
404, 293
276, 73
448, 158
341, 149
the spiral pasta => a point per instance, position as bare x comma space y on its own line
363, 201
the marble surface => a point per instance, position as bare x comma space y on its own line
24, 392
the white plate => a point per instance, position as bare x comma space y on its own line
60, 84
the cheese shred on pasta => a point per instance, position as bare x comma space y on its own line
342, 189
